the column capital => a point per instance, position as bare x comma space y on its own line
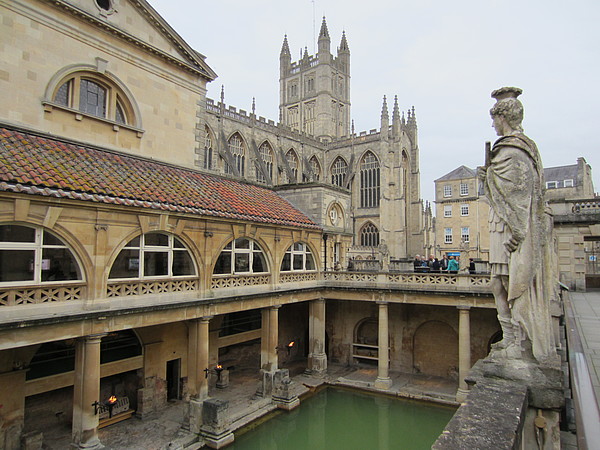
463, 308
273, 307
206, 319
92, 338
382, 302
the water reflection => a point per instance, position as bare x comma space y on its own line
342, 419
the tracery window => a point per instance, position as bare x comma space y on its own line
266, 154
238, 151
153, 255
369, 181
292, 160
369, 236
34, 255
309, 117
338, 172
316, 168
95, 95
241, 256
293, 117
208, 149
298, 258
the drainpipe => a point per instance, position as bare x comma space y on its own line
325, 236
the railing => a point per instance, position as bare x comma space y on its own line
64, 292
127, 288
297, 277
415, 280
586, 207
219, 282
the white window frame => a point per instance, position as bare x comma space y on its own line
253, 248
447, 235
447, 210
447, 190
465, 235
143, 248
299, 250
568, 183
37, 246
551, 184
464, 189
464, 210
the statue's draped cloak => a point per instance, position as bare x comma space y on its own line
514, 187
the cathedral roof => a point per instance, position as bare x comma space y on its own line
459, 173
39, 165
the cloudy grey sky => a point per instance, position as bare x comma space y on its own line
442, 57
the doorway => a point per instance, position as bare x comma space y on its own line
174, 379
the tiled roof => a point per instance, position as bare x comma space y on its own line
43, 166
561, 173
459, 173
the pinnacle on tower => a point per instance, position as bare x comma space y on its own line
285, 49
344, 44
384, 108
324, 33
396, 112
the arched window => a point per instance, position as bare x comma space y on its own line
95, 94
238, 151
292, 160
369, 181
316, 168
33, 255
208, 148
266, 154
241, 256
338, 172
298, 258
369, 236
153, 255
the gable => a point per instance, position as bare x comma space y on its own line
137, 22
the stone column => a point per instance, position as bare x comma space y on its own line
12, 411
198, 354
86, 392
383, 380
264, 339
464, 351
273, 336
317, 359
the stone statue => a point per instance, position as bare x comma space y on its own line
520, 236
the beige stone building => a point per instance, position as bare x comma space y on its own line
461, 223
148, 234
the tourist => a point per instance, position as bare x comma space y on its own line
471, 266
444, 263
453, 266
435, 266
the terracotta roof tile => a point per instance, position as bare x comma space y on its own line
44, 166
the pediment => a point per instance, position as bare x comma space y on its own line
139, 23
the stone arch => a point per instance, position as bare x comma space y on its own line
338, 170
366, 331
369, 235
435, 349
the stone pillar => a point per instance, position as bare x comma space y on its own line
215, 427
264, 340
12, 411
464, 351
273, 340
86, 392
317, 359
198, 354
383, 380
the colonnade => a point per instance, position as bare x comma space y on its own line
87, 361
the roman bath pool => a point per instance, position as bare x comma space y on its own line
337, 418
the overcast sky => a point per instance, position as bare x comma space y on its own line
443, 57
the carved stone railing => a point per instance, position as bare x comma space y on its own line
297, 277
64, 292
219, 282
436, 281
586, 207
127, 288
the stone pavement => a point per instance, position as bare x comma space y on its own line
586, 306
158, 432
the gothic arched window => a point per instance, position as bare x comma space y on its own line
238, 151
266, 154
292, 160
369, 236
338, 172
369, 181
208, 149
316, 168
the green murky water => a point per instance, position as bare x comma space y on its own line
347, 420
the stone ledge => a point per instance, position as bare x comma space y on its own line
491, 417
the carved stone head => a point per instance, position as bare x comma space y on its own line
508, 106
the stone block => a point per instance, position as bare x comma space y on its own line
215, 423
223, 379
265, 385
32, 440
